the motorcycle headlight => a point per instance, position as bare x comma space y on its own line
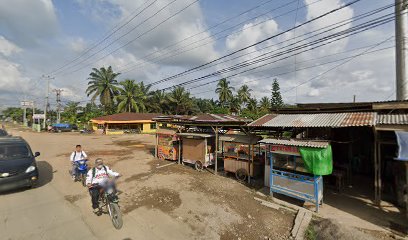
110, 191
82, 162
30, 169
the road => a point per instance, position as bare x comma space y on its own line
47, 212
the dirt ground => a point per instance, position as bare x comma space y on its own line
168, 200
204, 205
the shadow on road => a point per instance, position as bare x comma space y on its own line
46, 173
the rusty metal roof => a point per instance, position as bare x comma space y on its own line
204, 118
296, 142
392, 119
317, 120
240, 138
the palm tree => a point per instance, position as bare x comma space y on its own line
224, 91
131, 98
180, 101
235, 105
157, 102
252, 105
244, 93
103, 85
265, 104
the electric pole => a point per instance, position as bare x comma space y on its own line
58, 92
48, 78
401, 52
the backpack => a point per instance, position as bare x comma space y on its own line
94, 170
82, 154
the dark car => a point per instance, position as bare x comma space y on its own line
18, 167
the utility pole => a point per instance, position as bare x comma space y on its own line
401, 52
58, 92
48, 78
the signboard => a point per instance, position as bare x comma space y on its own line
26, 103
285, 149
39, 116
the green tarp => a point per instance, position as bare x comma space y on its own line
319, 161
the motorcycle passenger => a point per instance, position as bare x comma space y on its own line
77, 155
95, 180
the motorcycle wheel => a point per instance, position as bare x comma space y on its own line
115, 214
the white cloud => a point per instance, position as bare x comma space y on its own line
7, 48
78, 44
28, 21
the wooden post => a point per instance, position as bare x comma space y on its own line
249, 163
179, 150
376, 167
216, 151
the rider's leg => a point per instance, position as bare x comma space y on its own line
73, 170
95, 197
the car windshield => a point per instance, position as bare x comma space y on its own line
7, 152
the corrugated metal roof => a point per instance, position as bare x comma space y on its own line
203, 135
392, 119
296, 142
166, 131
239, 138
317, 120
204, 118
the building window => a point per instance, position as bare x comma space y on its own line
152, 125
100, 126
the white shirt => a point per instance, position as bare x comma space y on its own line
76, 156
100, 175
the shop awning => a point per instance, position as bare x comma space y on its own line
240, 138
296, 142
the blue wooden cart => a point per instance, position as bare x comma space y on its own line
286, 173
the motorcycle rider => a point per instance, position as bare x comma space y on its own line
77, 155
95, 180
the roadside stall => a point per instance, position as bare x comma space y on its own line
167, 144
198, 149
295, 168
242, 155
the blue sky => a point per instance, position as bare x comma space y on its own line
37, 37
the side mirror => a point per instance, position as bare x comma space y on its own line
36, 154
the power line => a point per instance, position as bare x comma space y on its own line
346, 33
141, 63
343, 23
131, 41
108, 34
299, 69
257, 43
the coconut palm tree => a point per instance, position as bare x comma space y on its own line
129, 98
244, 93
224, 92
180, 101
265, 104
103, 85
235, 105
71, 111
252, 105
157, 102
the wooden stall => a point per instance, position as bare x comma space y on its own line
167, 144
295, 168
198, 149
242, 155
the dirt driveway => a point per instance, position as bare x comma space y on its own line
170, 202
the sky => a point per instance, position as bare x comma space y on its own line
150, 40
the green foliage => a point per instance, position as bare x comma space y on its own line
14, 113
276, 100
265, 104
310, 233
224, 91
244, 94
71, 113
132, 97
180, 101
103, 85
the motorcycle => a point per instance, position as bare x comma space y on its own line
108, 199
81, 171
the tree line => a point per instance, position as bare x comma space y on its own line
109, 96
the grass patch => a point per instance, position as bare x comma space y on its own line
310, 233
